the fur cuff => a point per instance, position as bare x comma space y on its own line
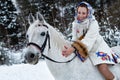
81, 48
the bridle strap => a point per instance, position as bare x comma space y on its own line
43, 47
44, 44
31, 43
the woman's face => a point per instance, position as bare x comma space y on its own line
82, 13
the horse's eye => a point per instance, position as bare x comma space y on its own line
42, 34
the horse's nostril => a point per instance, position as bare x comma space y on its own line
32, 55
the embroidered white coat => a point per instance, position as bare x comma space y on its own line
99, 51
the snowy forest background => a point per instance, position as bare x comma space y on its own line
58, 13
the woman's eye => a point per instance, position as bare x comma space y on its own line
79, 12
84, 13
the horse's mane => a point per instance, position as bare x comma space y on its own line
56, 36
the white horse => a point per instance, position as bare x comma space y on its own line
45, 41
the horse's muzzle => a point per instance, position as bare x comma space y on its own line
31, 58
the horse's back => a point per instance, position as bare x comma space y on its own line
77, 70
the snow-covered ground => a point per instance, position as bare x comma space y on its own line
22, 71
26, 72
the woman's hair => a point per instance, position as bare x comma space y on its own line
82, 5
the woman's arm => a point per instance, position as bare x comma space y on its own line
91, 35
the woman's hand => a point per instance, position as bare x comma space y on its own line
67, 51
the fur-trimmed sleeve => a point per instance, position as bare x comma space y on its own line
81, 48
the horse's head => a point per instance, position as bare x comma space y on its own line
37, 36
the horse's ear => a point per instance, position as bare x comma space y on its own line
40, 17
31, 18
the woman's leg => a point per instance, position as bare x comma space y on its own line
104, 70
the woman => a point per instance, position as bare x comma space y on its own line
85, 32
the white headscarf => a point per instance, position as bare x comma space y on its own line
90, 10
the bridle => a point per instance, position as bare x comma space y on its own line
43, 47
44, 44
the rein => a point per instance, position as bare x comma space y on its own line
43, 47
58, 61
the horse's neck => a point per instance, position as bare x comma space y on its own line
57, 38
57, 43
